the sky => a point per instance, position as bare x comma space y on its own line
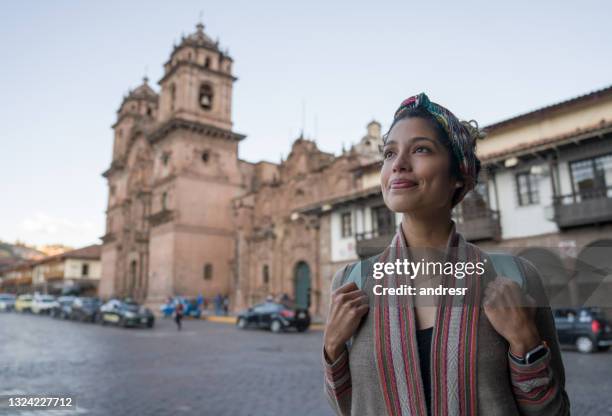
327, 68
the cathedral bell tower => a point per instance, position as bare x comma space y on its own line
197, 82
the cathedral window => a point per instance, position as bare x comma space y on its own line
207, 62
266, 274
206, 96
205, 156
172, 96
165, 158
208, 271
164, 201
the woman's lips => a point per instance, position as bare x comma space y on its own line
403, 184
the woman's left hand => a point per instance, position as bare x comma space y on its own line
512, 314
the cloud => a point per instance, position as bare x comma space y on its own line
43, 227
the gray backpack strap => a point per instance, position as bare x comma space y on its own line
353, 272
507, 265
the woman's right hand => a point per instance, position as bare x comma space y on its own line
348, 305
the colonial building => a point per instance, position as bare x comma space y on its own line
76, 271
186, 216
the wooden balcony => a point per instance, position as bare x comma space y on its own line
585, 207
373, 242
478, 224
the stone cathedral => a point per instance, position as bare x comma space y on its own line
186, 216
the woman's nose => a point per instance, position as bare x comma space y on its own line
402, 162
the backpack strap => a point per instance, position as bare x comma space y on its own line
353, 272
508, 266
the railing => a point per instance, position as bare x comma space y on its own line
587, 206
478, 224
373, 242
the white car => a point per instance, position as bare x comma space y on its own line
7, 302
42, 304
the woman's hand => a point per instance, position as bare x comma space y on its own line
512, 315
348, 305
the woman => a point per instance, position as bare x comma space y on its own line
487, 352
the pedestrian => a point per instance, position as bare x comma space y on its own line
218, 304
178, 314
226, 305
200, 299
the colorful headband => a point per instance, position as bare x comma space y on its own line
462, 137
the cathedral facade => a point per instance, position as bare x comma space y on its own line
186, 216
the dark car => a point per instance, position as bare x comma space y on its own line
274, 316
126, 314
62, 307
586, 328
85, 309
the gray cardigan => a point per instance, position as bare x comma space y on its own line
503, 386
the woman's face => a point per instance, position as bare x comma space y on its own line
415, 176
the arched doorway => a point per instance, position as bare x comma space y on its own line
133, 273
302, 285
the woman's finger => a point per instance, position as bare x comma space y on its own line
348, 296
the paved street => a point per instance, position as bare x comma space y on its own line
207, 369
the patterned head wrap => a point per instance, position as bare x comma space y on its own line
462, 135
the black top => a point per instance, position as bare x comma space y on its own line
424, 344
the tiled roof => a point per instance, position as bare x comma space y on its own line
544, 111
575, 135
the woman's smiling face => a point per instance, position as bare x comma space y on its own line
416, 173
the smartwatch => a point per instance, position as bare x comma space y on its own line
532, 356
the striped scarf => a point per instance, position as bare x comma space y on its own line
454, 342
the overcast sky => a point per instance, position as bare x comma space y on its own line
326, 66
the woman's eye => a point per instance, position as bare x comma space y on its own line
422, 149
388, 154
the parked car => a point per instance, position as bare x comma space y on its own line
7, 302
62, 307
274, 316
23, 303
586, 328
126, 314
85, 309
42, 304
190, 308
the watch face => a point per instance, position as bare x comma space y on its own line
535, 354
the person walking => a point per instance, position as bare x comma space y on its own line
218, 301
226, 305
178, 314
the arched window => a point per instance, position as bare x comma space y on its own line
208, 271
206, 96
205, 156
164, 201
172, 96
266, 274
207, 62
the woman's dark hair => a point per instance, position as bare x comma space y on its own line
441, 134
